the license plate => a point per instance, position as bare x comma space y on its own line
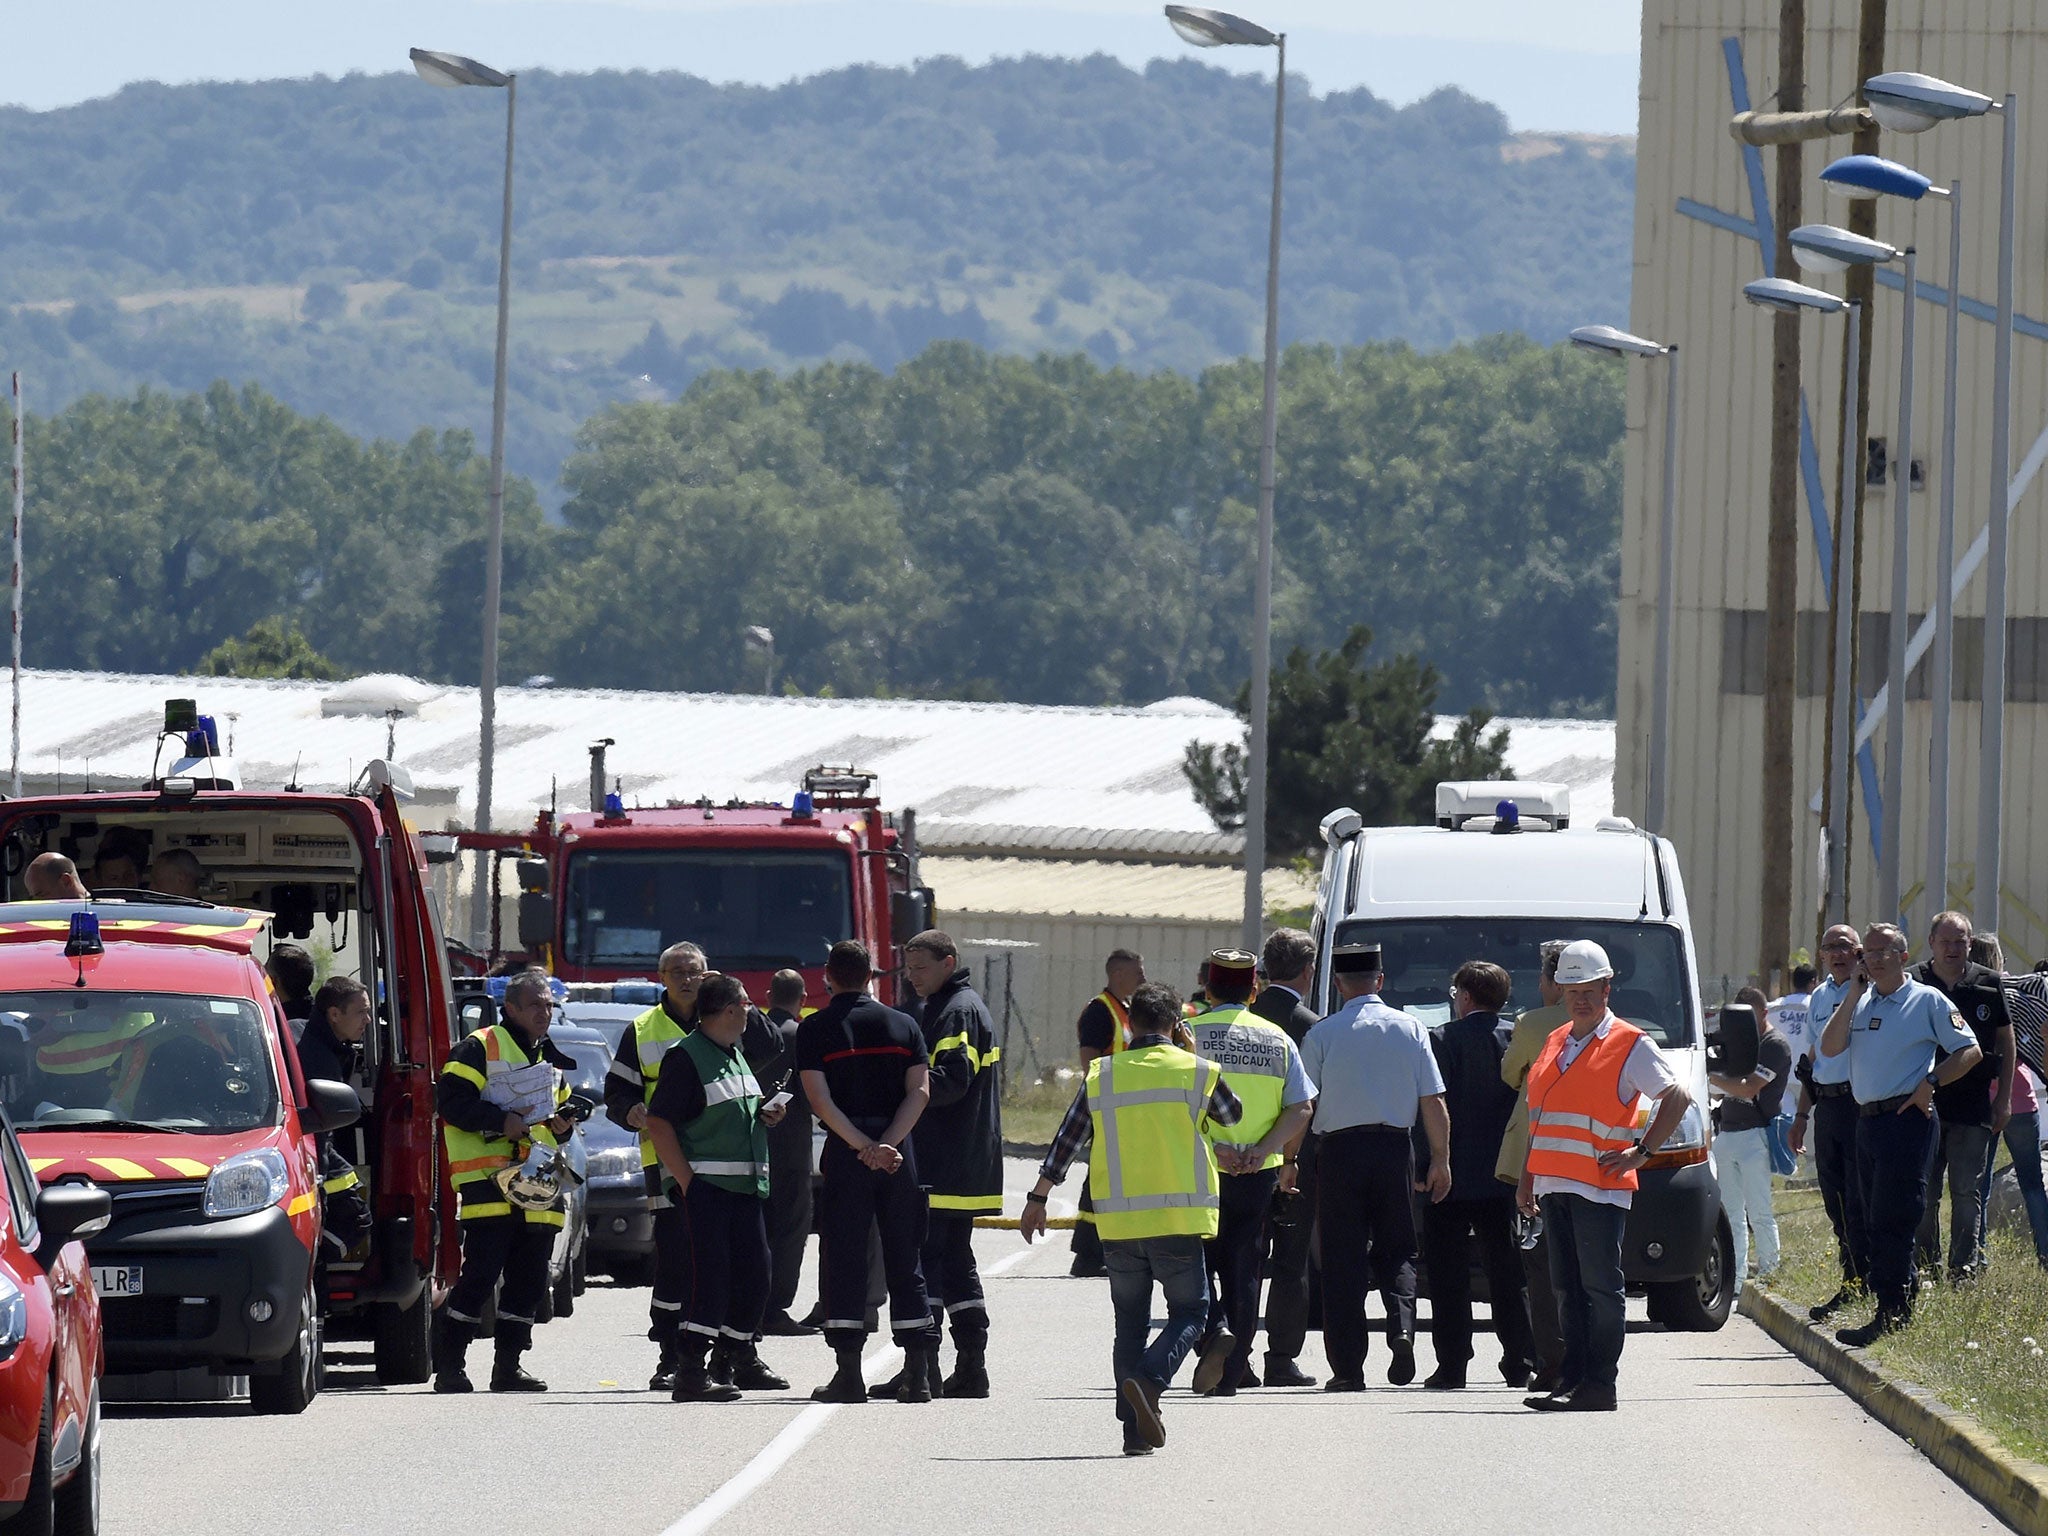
117, 1279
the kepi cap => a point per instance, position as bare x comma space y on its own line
1226, 961
1357, 959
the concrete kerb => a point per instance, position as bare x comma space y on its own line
2011, 1487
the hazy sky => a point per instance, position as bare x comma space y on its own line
1557, 64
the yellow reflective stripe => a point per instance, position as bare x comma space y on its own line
341, 1181
189, 1167
472, 1212
301, 1204
121, 1168
547, 1218
38, 1164
466, 1073
975, 1058
991, 1203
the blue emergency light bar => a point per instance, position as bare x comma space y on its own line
85, 936
558, 989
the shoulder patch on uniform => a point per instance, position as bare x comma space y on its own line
1983, 1012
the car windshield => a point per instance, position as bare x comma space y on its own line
137, 1060
750, 911
592, 1062
1422, 954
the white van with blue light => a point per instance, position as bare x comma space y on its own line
1501, 872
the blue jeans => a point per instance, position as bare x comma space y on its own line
1584, 1238
2023, 1143
1181, 1268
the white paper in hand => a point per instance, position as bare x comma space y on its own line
528, 1092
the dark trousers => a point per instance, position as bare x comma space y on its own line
671, 1272
1841, 1186
1233, 1257
1180, 1268
725, 1240
1087, 1242
952, 1279
1449, 1232
1364, 1184
1964, 1153
1290, 1239
858, 1199
1546, 1336
507, 1248
789, 1208
1584, 1237
1892, 1151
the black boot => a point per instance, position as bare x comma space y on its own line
720, 1367
847, 1385
664, 1334
694, 1383
920, 1365
450, 1345
507, 1375
970, 1373
747, 1371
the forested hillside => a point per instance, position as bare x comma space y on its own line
973, 525
334, 240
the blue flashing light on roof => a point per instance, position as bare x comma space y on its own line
558, 989
1508, 812
800, 805
85, 935
203, 740
614, 806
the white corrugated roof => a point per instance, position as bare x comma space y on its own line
995, 778
1101, 888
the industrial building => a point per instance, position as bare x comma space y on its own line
1703, 229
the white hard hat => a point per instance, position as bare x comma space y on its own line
1581, 962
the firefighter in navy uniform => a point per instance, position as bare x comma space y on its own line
628, 1091
959, 1150
1103, 1029
500, 1240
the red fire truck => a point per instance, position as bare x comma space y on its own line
760, 886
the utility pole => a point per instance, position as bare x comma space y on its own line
1781, 602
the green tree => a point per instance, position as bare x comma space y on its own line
272, 648
1344, 732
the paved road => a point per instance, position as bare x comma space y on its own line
1703, 1412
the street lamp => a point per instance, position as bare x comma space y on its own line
1782, 294
1910, 102
1219, 29
1605, 338
452, 69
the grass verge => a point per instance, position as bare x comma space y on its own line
1032, 1111
1983, 1349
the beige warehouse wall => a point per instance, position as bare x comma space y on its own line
1686, 288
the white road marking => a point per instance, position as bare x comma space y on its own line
798, 1433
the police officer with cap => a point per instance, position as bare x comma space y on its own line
1264, 1070
1375, 1074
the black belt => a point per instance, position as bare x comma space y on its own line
1890, 1106
1830, 1090
1367, 1130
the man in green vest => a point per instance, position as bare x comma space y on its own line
1263, 1067
482, 1138
1152, 1176
710, 1132
628, 1090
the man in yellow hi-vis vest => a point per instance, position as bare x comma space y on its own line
1153, 1179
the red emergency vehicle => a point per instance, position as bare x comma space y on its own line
343, 873
760, 886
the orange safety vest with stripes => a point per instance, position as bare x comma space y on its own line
1120, 1037
1576, 1112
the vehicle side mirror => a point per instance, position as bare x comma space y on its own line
910, 912
66, 1212
329, 1106
536, 920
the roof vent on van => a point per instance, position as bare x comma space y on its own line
380, 694
1538, 806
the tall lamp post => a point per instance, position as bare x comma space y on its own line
1218, 29
1909, 102
1605, 338
452, 69
1782, 294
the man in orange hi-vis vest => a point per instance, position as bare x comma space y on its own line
1581, 1173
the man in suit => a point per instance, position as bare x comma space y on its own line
1288, 959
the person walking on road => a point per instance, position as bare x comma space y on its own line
789, 1169
1828, 1107
960, 1150
1479, 1209
710, 1133
1584, 1155
500, 1240
1103, 1028
1288, 959
1375, 1075
1742, 1146
1263, 1068
1891, 1028
1533, 1029
1150, 1110
865, 1072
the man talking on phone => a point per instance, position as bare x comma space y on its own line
959, 1151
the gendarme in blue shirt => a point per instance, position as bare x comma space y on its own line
1892, 1040
1821, 1007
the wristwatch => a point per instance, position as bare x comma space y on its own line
1033, 1199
